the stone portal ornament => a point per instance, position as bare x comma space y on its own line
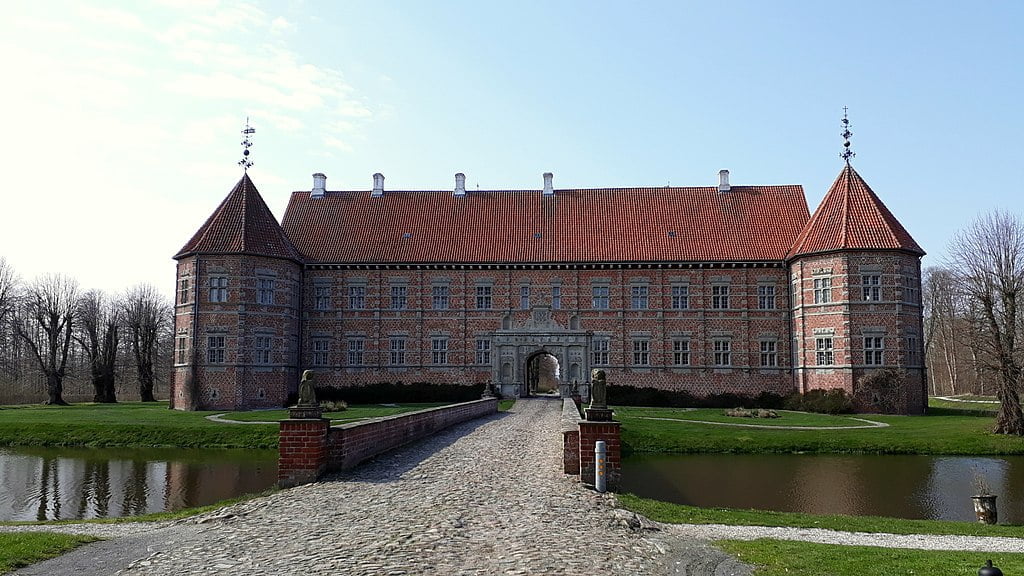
307, 395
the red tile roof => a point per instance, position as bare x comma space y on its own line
748, 223
851, 217
242, 224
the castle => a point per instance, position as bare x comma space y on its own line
701, 289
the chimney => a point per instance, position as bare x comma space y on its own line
548, 190
723, 181
378, 185
319, 186
460, 184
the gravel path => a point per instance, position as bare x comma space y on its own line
485, 497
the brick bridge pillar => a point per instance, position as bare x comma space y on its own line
600, 426
302, 450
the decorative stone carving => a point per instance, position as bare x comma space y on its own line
307, 394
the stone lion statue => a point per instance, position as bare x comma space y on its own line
598, 392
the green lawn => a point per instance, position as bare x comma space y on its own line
126, 424
786, 417
679, 514
942, 431
20, 550
352, 413
782, 557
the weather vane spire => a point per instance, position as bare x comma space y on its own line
247, 133
847, 153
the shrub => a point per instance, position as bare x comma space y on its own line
882, 390
334, 406
625, 395
834, 401
755, 413
399, 393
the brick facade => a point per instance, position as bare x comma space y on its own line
251, 314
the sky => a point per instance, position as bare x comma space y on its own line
121, 120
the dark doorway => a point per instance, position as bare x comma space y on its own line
543, 374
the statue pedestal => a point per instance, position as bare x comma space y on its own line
598, 414
305, 412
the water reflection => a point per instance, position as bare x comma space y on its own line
59, 484
925, 487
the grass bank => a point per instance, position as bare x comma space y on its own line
783, 557
679, 514
20, 550
153, 425
954, 431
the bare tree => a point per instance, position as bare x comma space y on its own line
9, 285
47, 317
98, 335
989, 259
146, 312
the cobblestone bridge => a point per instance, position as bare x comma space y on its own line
484, 497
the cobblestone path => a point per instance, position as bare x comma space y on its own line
484, 497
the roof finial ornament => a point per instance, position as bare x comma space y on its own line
847, 153
247, 133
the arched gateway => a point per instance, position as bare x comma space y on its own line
517, 345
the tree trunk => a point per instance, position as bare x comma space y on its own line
146, 382
55, 390
1010, 417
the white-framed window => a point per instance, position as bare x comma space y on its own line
215, 349
599, 351
720, 296
766, 297
911, 290
183, 290
681, 352
181, 350
483, 298
556, 297
322, 297
439, 297
483, 351
823, 354
356, 347
680, 297
822, 290
399, 297
874, 350
871, 287
642, 352
722, 352
439, 350
321, 351
524, 297
397, 351
638, 297
599, 296
261, 347
357, 297
218, 288
769, 354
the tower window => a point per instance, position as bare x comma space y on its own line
680, 297
265, 291
769, 355
822, 290
823, 352
218, 288
874, 350
215, 347
720, 296
871, 287
638, 297
766, 297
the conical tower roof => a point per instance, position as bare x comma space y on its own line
242, 224
851, 217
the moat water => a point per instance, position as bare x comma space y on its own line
916, 487
81, 483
